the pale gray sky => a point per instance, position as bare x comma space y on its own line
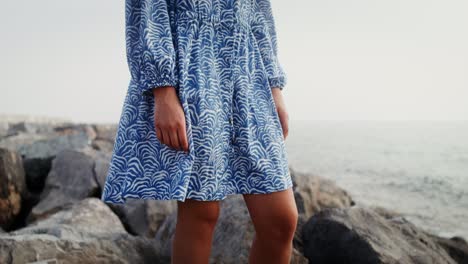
361, 59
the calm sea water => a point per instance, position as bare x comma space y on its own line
419, 168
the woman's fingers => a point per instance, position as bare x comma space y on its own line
175, 139
282, 111
173, 135
170, 118
284, 118
183, 138
159, 134
166, 137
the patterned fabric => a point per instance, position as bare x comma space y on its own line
222, 57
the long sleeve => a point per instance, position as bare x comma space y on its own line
150, 48
265, 33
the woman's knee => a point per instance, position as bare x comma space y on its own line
280, 226
206, 212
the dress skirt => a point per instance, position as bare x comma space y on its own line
222, 58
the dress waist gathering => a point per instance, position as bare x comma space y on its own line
214, 19
231, 17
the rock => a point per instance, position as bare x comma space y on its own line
234, 232
15, 142
12, 187
233, 235
70, 180
114, 248
101, 164
48, 148
165, 235
4, 129
38, 143
156, 214
144, 217
105, 137
312, 194
103, 145
359, 235
29, 128
89, 215
36, 172
38, 156
297, 257
456, 246
76, 128
106, 132
385, 212
87, 232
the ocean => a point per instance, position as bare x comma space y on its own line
418, 168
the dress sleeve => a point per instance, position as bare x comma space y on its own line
265, 33
149, 43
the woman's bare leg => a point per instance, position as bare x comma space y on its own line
274, 216
192, 241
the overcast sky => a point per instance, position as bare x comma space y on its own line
360, 59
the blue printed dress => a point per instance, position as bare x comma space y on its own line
222, 58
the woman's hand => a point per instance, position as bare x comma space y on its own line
169, 118
281, 109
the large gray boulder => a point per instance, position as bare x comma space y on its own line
105, 137
103, 145
70, 180
12, 187
144, 217
456, 246
29, 128
101, 164
360, 235
87, 232
38, 155
89, 215
115, 248
105, 131
4, 126
50, 147
15, 142
312, 194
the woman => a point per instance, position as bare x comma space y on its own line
204, 118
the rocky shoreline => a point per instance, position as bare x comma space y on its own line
52, 173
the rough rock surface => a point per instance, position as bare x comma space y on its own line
360, 235
70, 180
65, 166
313, 193
144, 217
12, 187
87, 232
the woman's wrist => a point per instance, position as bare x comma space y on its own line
161, 89
164, 93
